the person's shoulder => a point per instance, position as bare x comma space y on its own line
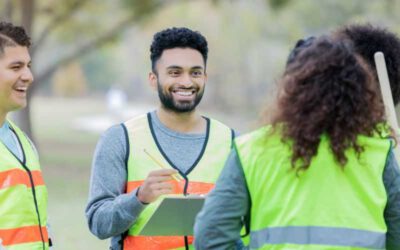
113, 143
114, 133
216, 122
13, 130
259, 134
142, 118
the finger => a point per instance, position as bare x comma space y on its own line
161, 185
159, 192
163, 172
157, 179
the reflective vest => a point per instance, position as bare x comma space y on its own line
199, 179
325, 207
23, 198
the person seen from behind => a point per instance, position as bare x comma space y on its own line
322, 174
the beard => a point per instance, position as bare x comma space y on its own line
169, 103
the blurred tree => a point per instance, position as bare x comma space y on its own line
278, 4
73, 85
79, 26
249, 40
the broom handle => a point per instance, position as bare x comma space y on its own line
387, 97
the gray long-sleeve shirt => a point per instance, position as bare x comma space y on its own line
218, 225
110, 211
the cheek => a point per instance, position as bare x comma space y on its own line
5, 87
166, 85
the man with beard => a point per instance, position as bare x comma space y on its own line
126, 182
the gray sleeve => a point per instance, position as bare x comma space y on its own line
391, 179
219, 223
110, 211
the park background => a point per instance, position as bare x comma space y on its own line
86, 51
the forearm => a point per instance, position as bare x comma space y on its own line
391, 179
219, 223
109, 216
110, 211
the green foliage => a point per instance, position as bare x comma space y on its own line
142, 8
101, 69
278, 4
70, 81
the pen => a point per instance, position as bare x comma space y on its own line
175, 176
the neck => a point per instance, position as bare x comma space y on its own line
2, 118
187, 122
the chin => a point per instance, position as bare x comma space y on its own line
20, 105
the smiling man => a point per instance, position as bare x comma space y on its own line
23, 195
125, 182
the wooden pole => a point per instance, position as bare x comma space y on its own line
387, 97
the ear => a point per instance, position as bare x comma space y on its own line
153, 80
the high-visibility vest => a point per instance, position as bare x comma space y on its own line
326, 206
23, 198
200, 177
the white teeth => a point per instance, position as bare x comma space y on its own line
184, 93
22, 88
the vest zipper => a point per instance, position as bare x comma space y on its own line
184, 194
36, 205
186, 243
33, 187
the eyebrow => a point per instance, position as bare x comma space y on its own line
20, 62
197, 67
179, 67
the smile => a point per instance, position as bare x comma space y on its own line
184, 93
21, 89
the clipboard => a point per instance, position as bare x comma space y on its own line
174, 216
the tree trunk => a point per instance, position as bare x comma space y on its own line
8, 10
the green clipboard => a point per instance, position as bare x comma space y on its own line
174, 216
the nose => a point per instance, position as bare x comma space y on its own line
186, 80
27, 75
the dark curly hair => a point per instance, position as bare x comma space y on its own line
367, 40
326, 89
177, 38
11, 35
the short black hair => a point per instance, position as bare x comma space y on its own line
11, 35
368, 39
177, 38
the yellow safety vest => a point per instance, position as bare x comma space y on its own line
23, 199
200, 178
326, 207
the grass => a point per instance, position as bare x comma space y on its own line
66, 156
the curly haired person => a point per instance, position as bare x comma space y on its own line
322, 174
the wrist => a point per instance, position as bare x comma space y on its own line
139, 197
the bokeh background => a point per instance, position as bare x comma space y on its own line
91, 62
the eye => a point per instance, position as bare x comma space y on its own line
174, 73
15, 67
197, 73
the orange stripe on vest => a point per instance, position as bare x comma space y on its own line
16, 177
164, 242
22, 235
155, 242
